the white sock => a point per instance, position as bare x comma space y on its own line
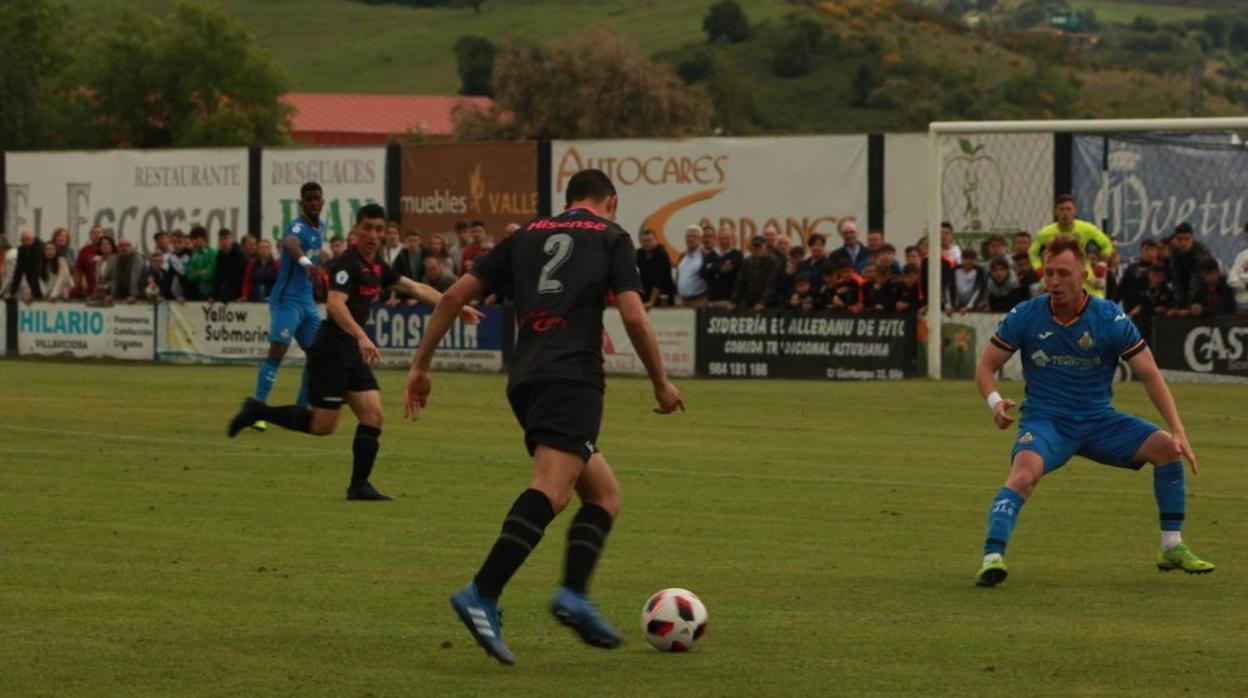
1169, 539
992, 557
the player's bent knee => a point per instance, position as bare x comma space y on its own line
1025, 473
1158, 449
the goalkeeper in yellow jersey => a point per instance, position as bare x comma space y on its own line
1083, 231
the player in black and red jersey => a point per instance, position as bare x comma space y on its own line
560, 270
338, 361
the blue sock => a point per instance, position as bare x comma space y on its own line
1001, 519
302, 399
266, 379
1171, 495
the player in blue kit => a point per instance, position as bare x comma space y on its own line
1070, 344
292, 305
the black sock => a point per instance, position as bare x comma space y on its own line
585, 540
522, 531
291, 417
364, 448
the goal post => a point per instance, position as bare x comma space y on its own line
978, 199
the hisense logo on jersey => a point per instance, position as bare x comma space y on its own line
1205, 346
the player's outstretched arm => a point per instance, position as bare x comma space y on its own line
990, 363
1037, 262
637, 324
336, 307
1144, 366
451, 304
431, 296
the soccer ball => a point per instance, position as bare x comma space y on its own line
674, 620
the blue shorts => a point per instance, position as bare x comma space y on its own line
1112, 439
297, 321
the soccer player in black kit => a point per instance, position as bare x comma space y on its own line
338, 361
560, 270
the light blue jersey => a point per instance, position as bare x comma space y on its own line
1069, 368
293, 285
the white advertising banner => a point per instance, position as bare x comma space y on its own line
677, 332
217, 333
802, 184
80, 330
995, 182
349, 178
907, 188
130, 193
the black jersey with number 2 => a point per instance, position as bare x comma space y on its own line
364, 281
560, 270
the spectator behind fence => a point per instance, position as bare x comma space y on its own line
772, 244
995, 248
410, 261
201, 270
231, 268
1237, 277
654, 266
1159, 297
847, 287
84, 270
337, 245
8, 263
389, 252
261, 273
55, 281
875, 240
477, 236
153, 275
437, 250
60, 238
884, 290
690, 285
708, 239
813, 265
436, 275
803, 297
1135, 276
27, 260
250, 245
105, 268
720, 268
912, 257
911, 295
851, 249
178, 260
786, 282
1212, 295
888, 255
969, 281
1185, 258
1002, 288
755, 286
948, 245
128, 272
1027, 278
947, 267
1022, 245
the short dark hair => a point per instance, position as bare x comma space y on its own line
1148, 243
946, 224
911, 248
592, 185
1183, 228
339, 238
995, 237
998, 262
309, 186
970, 253
461, 225
842, 265
370, 211
647, 231
1209, 264
1063, 198
1022, 234
1022, 257
802, 278
888, 247
199, 231
477, 224
817, 236
224, 232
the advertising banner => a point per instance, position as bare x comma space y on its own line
130, 193
495, 183
802, 184
907, 182
806, 345
676, 329
1147, 184
79, 330
996, 182
217, 333
349, 178
396, 330
964, 338
1213, 349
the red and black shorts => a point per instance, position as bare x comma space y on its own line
562, 416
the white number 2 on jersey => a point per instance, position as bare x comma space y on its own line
559, 247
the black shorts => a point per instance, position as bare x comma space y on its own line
563, 416
331, 376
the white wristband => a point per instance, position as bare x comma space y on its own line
304, 261
993, 398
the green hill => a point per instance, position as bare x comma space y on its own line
861, 65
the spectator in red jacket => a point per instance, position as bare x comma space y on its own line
84, 265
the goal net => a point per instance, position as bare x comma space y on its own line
1134, 178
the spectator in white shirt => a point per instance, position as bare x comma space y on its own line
1237, 277
690, 285
394, 243
948, 247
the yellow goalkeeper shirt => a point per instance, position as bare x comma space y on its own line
1086, 233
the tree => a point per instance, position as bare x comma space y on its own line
726, 19
195, 78
794, 57
31, 55
474, 60
596, 85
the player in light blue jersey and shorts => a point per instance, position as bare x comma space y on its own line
292, 303
1070, 344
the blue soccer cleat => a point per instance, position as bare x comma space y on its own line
577, 612
484, 621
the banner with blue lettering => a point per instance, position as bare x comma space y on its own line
1146, 184
80, 330
396, 330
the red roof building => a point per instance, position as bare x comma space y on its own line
340, 119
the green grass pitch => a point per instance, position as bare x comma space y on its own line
833, 531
